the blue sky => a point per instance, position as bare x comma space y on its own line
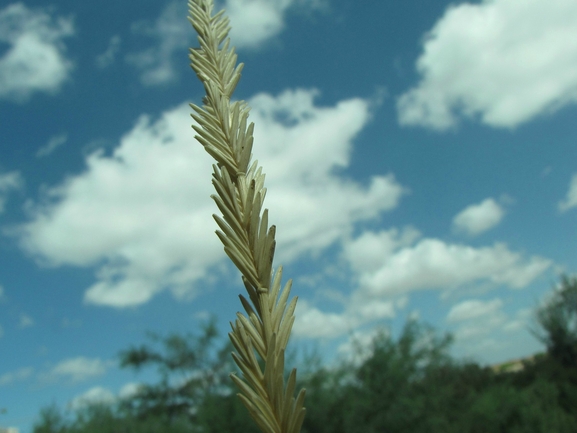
420, 161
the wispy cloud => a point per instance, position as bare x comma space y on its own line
571, 197
254, 24
502, 61
16, 376
472, 309
35, 60
172, 34
54, 142
25, 321
107, 58
76, 370
485, 327
8, 182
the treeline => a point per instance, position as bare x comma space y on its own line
407, 385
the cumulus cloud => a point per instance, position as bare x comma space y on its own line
478, 218
311, 322
142, 215
304, 145
503, 61
8, 182
77, 369
571, 198
390, 264
35, 60
369, 250
473, 308
254, 22
433, 264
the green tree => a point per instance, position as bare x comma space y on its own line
558, 322
191, 368
50, 420
193, 394
382, 395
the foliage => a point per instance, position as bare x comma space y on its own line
50, 421
407, 384
558, 322
190, 369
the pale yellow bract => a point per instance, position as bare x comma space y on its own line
247, 238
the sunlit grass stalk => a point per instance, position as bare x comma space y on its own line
244, 231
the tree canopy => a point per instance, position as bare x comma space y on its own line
404, 384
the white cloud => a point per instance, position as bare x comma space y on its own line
487, 332
35, 61
571, 199
472, 309
54, 142
254, 22
505, 61
375, 309
478, 321
77, 369
478, 218
310, 322
390, 264
103, 396
144, 212
369, 251
16, 376
8, 182
520, 322
304, 144
95, 395
434, 264
173, 34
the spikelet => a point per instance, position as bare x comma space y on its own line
244, 231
